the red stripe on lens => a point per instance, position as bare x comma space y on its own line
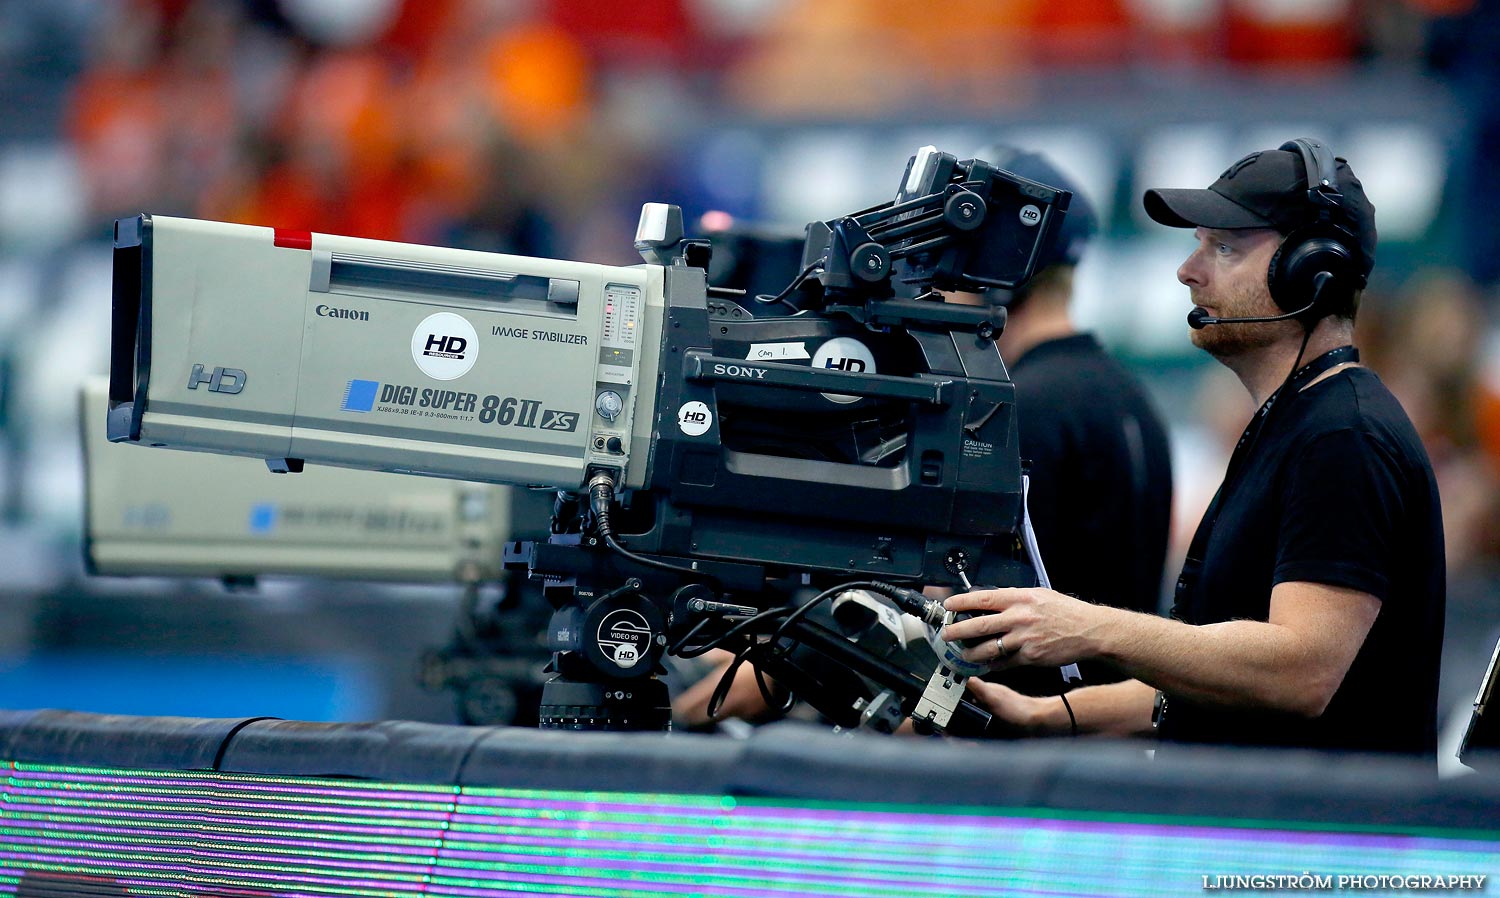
290, 239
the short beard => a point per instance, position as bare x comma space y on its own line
1227, 341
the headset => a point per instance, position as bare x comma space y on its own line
1322, 247
1315, 271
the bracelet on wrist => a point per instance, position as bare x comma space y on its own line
1072, 719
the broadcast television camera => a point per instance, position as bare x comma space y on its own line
179, 514
172, 514
708, 462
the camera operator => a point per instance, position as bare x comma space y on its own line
1309, 611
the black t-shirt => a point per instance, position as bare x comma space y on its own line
1335, 489
1101, 484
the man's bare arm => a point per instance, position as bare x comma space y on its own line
1293, 662
1114, 709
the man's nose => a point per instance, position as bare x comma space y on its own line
1190, 272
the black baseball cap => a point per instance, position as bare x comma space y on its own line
1267, 189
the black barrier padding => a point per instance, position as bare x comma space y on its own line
1103, 776
117, 740
613, 762
1307, 786
801, 760
390, 751
11, 723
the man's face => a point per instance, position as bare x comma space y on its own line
1226, 275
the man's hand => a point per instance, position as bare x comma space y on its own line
1114, 709
1027, 626
1020, 715
742, 701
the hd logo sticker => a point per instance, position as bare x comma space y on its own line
444, 346
221, 380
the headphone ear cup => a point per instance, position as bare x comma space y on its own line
1274, 276
1302, 256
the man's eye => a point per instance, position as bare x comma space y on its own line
1223, 249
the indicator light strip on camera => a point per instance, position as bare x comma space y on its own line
82, 831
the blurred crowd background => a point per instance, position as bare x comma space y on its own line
539, 127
